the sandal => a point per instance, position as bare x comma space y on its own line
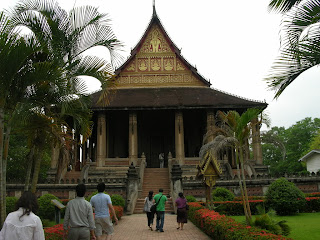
178, 228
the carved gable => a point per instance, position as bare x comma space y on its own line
155, 64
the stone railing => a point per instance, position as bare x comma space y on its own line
142, 167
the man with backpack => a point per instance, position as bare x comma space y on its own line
160, 201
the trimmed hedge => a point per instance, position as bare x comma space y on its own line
222, 194
10, 204
46, 208
221, 227
117, 200
235, 208
191, 198
285, 197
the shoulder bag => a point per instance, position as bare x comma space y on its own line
153, 208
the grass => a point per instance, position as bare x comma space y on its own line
304, 226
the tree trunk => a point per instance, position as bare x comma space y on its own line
37, 164
246, 200
4, 165
30, 164
241, 187
2, 179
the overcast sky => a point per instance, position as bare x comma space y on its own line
232, 43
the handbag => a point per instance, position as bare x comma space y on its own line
153, 208
145, 208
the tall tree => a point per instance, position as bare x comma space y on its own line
65, 37
282, 148
234, 132
300, 42
17, 74
41, 70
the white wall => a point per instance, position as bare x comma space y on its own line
313, 163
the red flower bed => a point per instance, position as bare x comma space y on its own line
224, 228
312, 204
54, 233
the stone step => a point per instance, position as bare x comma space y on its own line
154, 179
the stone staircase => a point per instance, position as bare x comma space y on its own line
155, 178
73, 175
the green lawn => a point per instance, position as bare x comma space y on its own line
304, 226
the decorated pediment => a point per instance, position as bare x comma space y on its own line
155, 63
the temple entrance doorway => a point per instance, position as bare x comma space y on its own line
156, 148
155, 136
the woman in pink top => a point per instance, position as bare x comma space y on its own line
182, 214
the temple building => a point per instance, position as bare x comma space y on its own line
157, 117
161, 105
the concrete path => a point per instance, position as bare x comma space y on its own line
135, 227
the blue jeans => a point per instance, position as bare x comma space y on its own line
160, 220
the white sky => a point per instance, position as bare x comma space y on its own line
232, 43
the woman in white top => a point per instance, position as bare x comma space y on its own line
23, 223
148, 202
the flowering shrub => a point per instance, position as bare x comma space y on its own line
54, 233
314, 194
119, 211
312, 204
224, 228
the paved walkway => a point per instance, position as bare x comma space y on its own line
135, 227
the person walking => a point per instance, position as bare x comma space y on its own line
160, 200
148, 202
101, 203
78, 218
182, 213
23, 223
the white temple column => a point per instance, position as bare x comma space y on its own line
101, 140
179, 138
256, 142
133, 138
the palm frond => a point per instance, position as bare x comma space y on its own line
282, 5
299, 46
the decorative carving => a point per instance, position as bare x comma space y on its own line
155, 42
155, 64
131, 67
168, 63
180, 66
161, 79
143, 64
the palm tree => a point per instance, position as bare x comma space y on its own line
65, 38
300, 45
234, 132
17, 74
